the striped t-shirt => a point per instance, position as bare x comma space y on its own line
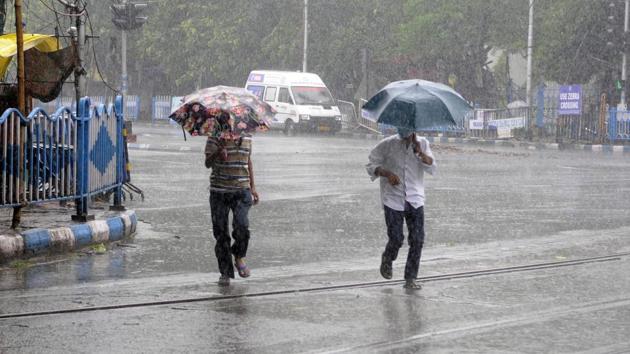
232, 173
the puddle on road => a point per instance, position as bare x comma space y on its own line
86, 265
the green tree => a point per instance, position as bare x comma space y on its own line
449, 40
571, 40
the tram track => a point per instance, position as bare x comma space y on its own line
432, 278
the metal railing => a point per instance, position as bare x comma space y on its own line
364, 121
160, 108
103, 142
38, 156
62, 156
495, 123
132, 104
618, 125
348, 114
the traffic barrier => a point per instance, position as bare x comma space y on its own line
160, 108
61, 156
618, 125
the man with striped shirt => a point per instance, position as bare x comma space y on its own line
231, 188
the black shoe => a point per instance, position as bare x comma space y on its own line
386, 268
412, 285
224, 280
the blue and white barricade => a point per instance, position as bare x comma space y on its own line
62, 156
618, 125
160, 108
132, 107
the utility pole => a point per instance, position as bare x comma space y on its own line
79, 71
126, 18
124, 24
77, 34
305, 59
19, 34
530, 45
123, 69
19, 39
624, 72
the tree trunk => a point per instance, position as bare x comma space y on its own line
3, 15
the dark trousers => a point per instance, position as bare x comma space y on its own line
415, 224
221, 203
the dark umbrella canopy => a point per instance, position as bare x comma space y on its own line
222, 111
416, 105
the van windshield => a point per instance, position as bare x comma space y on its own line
256, 90
305, 95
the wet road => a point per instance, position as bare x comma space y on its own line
320, 222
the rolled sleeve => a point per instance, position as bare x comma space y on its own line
426, 148
376, 159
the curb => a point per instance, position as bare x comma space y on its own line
65, 239
167, 148
364, 136
615, 149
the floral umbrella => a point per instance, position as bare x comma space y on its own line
222, 112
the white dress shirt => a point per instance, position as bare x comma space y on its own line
393, 155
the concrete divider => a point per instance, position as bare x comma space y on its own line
66, 239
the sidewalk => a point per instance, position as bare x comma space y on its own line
48, 229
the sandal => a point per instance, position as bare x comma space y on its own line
412, 285
241, 267
224, 280
386, 268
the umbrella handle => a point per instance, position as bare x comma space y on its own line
184, 132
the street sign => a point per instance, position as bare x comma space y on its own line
477, 123
570, 100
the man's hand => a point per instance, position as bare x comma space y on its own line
417, 149
391, 177
255, 197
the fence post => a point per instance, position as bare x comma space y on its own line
83, 147
540, 103
153, 109
120, 156
612, 125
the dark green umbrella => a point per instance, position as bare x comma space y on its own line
416, 105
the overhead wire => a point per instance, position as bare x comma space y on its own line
78, 14
43, 23
98, 68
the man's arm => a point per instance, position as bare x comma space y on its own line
375, 169
391, 177
211, 150
252, 185
425, 158
425, 155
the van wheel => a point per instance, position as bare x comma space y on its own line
289, 128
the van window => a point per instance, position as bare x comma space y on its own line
256, 90
312, 95
283, 96
270, 94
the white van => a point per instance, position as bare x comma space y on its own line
302, 100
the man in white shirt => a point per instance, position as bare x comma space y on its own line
400, 162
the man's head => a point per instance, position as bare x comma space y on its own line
404, 133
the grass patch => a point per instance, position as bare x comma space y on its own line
20, 264
98, 248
